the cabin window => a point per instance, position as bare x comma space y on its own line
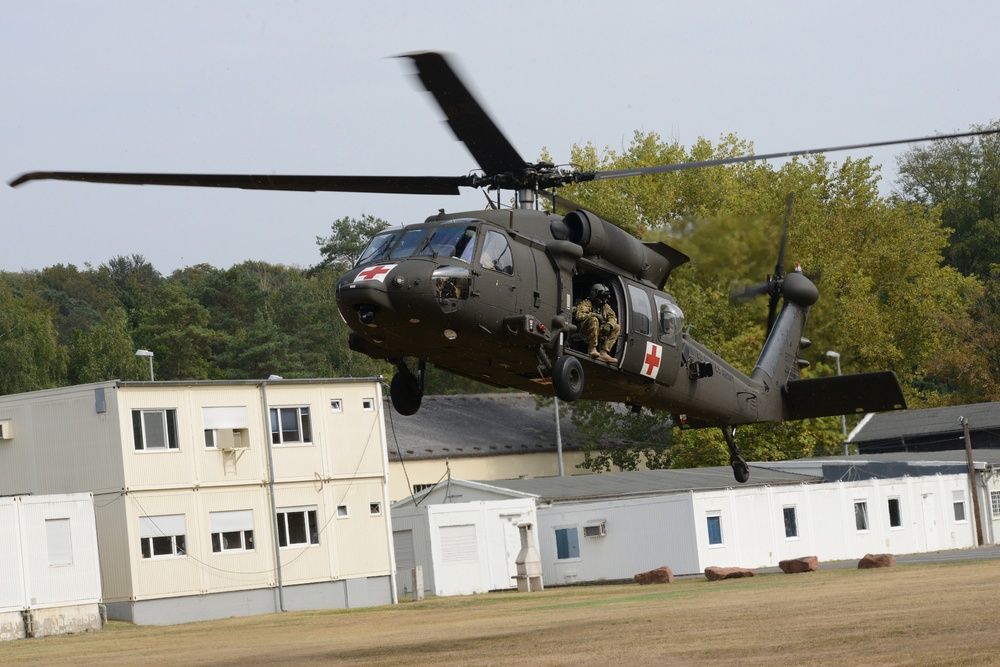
297, 526
154, 429
791, 525
378, 248
640, 310
567, 543
496, 254
895, 515
161, 536
958, 502
291, 426
670, 319
231, 531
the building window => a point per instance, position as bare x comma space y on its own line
290, 426
154, 429
342, 512
895, 514
231, 531
791, 527
958, 500
375, 509
368, 404
162, 535
567, 543
59, 540
417, 488
995, 503
861, 514
297, 527
714, 523
336, 405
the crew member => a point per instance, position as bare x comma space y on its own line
598, 323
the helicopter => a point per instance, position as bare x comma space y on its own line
491, 294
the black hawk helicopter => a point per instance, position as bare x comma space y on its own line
490, 294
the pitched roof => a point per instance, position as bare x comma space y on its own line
610, 485
927, 422
477, 425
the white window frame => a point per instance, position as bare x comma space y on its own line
570, 530
795, 521
958, 501
862, 503
231, 531
995, 504
309, 516
229, 418
59, 541
336, 405
155, 530
375, 508
342, 512
303, 426
899, 511
715, 514
140, 439
368, 404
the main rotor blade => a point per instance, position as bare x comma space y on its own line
411, 185
683, 166
466, 117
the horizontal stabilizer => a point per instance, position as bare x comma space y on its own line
843, 395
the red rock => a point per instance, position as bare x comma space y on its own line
876, 560
796, 565
713, 573
661, 575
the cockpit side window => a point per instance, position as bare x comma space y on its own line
496, 254
378, 248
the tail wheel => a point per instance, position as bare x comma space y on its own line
567, 378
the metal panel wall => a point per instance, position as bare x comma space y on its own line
12, 594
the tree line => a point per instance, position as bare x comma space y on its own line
908, 282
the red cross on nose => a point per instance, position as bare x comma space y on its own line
652, 361
374, 273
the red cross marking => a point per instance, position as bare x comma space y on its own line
374, 273
652, 362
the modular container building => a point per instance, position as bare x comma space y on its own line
50, 579
217, 499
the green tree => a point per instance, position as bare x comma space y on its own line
177, 332
348, 237
105, 353
30, 355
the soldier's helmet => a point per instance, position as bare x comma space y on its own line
599, 293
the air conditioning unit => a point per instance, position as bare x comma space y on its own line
6, 429
237, 441
596, 530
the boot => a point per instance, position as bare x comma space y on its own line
606, 358
594, 353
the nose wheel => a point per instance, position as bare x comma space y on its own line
741, 471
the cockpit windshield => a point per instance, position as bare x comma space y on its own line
457, 241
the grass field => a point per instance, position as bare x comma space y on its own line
942, 614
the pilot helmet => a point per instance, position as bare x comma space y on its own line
599, 293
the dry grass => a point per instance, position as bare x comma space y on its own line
907, 615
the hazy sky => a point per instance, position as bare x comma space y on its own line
250, 86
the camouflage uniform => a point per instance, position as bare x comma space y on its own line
599, 327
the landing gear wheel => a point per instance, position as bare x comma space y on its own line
567, 378
405, 392
741, 471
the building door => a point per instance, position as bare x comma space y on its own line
402, 543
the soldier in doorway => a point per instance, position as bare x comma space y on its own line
598, 323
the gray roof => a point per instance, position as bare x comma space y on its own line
645, 483
927, 422
477, 425
990, 456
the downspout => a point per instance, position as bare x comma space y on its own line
385, 495
270, 488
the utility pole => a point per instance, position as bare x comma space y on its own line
843, 418
972, 480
